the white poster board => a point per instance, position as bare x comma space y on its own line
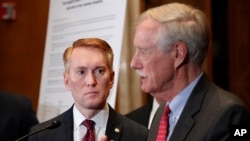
68, 21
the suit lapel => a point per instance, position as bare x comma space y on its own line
66, 128
192, 107
114, 132
114, 128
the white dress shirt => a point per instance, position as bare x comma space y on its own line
155, 106
100, 119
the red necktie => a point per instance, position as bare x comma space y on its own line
164, 124
90, 134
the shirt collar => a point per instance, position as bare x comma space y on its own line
101, 118
179, 101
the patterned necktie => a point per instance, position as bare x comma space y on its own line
90, 134
164, 124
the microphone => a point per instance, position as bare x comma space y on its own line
52, 125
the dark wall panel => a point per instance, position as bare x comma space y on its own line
22, 43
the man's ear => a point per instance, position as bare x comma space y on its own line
112, 79
66, 80
181, 52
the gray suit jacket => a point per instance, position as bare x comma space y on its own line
129, 130
210, 114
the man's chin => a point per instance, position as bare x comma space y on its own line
145, 90
95, 107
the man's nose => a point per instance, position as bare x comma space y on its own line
91, 79
134, 64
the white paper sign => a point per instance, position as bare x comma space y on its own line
68, 21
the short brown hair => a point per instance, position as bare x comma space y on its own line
89, 42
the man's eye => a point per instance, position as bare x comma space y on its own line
143, 51
99, 71
81, 72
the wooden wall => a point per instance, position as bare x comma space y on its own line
239, 48
21, 48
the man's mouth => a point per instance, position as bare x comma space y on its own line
141, 74
91, 93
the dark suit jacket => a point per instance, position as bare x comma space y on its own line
141, 114
209, 115
129, 130
16, 116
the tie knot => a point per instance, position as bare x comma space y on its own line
167, 110
89, 124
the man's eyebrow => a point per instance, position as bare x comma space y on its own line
142, 48
98, 67
80, 68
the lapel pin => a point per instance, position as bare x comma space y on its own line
117, 130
